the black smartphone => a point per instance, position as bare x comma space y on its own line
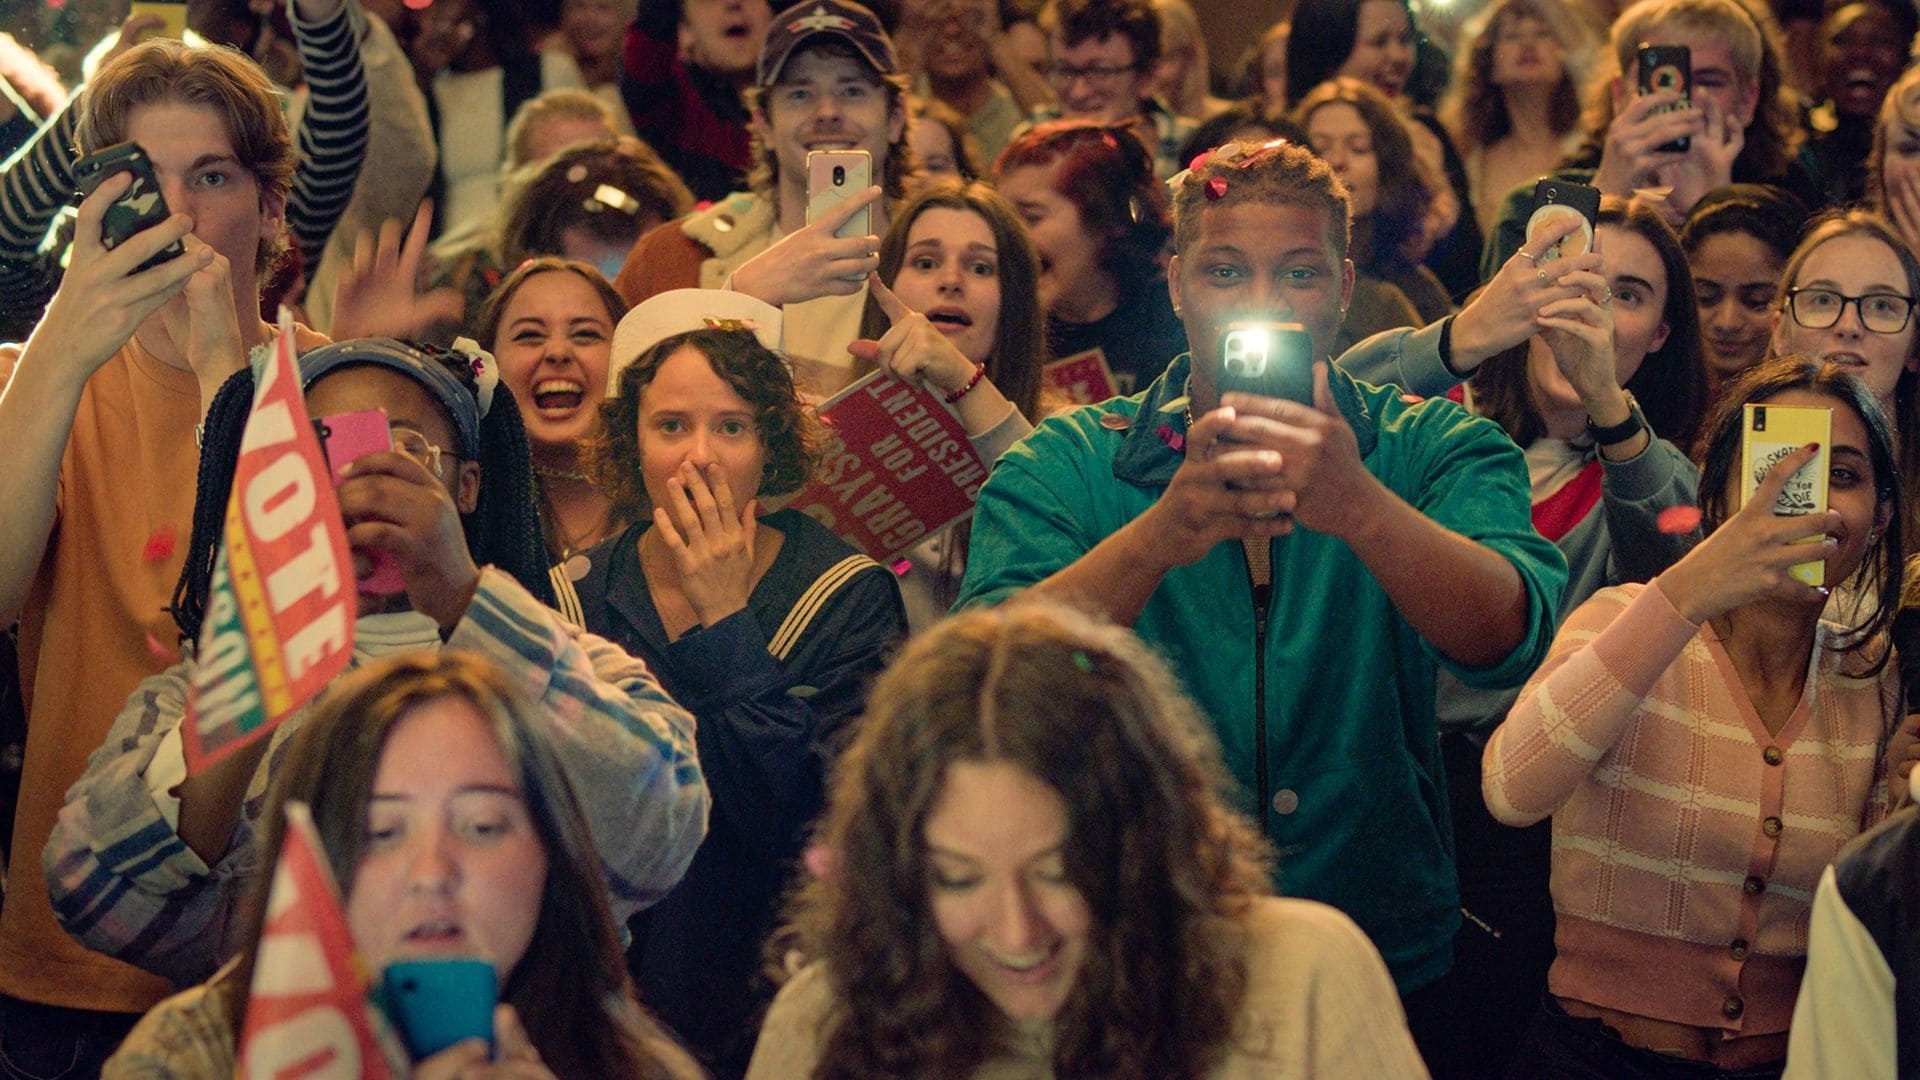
1267, 358
1553, 197
140, 207
1669, 67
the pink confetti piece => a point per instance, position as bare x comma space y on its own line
160, 545
1216, 189
1675, 520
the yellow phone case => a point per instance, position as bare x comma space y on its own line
1771, 432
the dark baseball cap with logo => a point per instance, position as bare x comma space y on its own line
810, 19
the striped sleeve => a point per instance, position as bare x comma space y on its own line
333, 133
35, 183
627, 747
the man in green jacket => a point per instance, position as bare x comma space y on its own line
1305, 568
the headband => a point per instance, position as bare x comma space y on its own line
420, 363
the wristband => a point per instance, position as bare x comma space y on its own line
1634, 424
979, 372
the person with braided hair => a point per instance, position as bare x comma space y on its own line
149, 865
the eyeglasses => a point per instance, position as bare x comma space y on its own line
1096, 74
1818, 309
415, 445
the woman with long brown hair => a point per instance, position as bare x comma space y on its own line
1029, 869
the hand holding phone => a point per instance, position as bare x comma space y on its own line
438, 1002
138, 208
345, 437
1668, 67
1272, 359
1553, 199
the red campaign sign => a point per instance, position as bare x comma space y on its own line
279, 622
897, 467
1083, 377
307, 1015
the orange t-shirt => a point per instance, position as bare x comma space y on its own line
88, 632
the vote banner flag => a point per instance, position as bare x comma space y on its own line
279, 618
307, 1016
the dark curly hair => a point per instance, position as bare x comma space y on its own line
787, 430
1106, 173
1165, 867
503, 530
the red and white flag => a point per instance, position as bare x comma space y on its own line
307, 1015
279, 621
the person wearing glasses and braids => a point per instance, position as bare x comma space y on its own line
1103, 55
149, 864
1847, 296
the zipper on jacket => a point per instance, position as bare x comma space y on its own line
1262, 595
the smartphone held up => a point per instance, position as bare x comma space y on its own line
1271, 359
1554, 198
140, 207
1668, 67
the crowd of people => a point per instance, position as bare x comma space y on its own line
1465, 710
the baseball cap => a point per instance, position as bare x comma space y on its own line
848, 21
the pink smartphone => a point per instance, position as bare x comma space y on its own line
347, 436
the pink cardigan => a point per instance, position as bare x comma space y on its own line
1687, 841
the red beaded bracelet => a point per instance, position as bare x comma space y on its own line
979, 372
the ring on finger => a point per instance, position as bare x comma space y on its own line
1528, 255
1541, 274
1606, 298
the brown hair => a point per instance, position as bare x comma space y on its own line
1906, 390
571, 987
787, 430
1275, 172
1407, 185
1476, 109
1165, 867
1671, 384
566, 191
211, 76
899, 165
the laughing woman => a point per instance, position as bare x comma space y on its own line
550, 324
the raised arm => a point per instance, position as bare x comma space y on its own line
99, 304
333, 130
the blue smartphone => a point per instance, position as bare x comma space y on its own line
436, 1003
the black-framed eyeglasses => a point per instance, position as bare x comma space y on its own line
1819, 309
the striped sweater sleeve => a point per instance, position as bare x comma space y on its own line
333, 133
34, 184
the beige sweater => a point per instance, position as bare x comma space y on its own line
1318, 1003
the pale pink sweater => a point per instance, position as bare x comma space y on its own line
1687, 841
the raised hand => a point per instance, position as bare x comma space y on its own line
1320, 460
912, 348
811, 262
101, 300
711, 543
1578, 330
469, 1060
204, 325
1506, 311
379, 293
1748, 556
1631, 156
393, 503
1707, 164
1224, 490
